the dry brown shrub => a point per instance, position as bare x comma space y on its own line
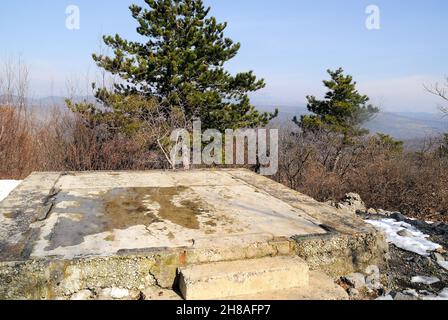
414, 183
17, 144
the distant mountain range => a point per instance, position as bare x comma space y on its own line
46, 102
44, 107
401, 125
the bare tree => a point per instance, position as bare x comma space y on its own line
14, 82
440, 90
160, 127
22, 83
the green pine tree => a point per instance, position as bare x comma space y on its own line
180, 64
342, 111
388, 143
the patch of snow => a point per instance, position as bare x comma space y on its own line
416, 242
429, 222
425, 280
443, 295
385, 298
6, 186
443, 264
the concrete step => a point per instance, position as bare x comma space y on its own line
244, 277
320, 287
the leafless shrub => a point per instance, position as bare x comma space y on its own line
440, 90
386, 177
16, 144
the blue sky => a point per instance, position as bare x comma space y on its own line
290, 43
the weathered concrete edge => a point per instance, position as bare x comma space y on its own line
350, 245
134, 270
341, 254
24, 204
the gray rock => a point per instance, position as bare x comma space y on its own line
114, 294
404, 233
438, 257
118, 293
374, 286
372, 211
441, 260
411, 292
398, 216
135, 294
404, 297
373, 270
104, 294
353, 292
424, 292
354, 203
355, 280
443, 264
82, 295
373, 279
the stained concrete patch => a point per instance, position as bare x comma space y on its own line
120, 209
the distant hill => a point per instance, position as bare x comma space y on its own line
54, 101
44, 107
408, 125
400, 125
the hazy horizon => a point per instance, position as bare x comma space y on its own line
290, 44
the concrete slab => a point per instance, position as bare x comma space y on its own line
99, 214
62, 233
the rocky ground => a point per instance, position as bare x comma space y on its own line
408, 275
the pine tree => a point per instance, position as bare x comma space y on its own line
342, 111
388, 143
180, 64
